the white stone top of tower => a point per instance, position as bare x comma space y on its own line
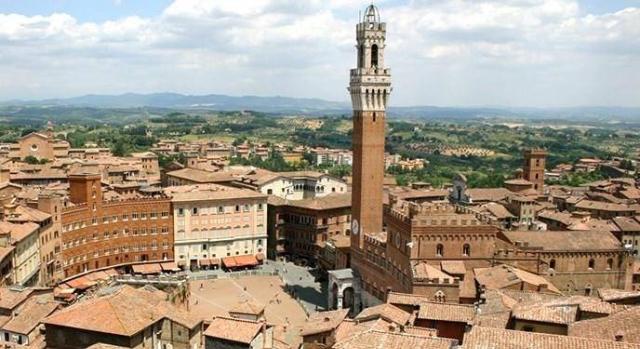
370, 81
371, 14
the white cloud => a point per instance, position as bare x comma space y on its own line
520, 52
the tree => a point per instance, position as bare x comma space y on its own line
119, 148
31, 160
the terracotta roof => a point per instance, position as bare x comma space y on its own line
518, 181
18, 231
453, 267
29, 314
627, 224
602, 206
349, 327
503, 276
104, 346
423, 270
613, 294
10, 298
323, 321
201, 176
566, 240
498, 210
232, 329
397, 298
561, 314
374, 339
248, 307
495, 320
421, 331
625, 322
561, 310
447, 312
409, 194
206, 192
487, 194
27, 214
485, 337
631, 193
386, 311
331, 201
124, 312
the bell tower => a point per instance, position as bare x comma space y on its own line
370, 87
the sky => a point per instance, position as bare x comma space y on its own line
535, 53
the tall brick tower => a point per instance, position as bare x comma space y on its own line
370, 87
533, 170
85, 188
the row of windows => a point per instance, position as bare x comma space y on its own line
591, 264
214, 255
466, 250
311, 220
219, 210
214, 229
115, 218
115, 234
117, 250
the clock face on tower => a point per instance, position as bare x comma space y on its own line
355, 227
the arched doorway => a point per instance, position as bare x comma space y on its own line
347, 298
334, 296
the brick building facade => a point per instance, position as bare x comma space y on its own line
98, 233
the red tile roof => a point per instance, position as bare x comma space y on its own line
232, 329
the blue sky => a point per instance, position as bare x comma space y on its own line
86, 10
101, 10
442, 52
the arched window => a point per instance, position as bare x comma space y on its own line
439, 250
592, 264
440, 297
552, 264
609, 264
374, 55
360, 57
466, 250
588, 289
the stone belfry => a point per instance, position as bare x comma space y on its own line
370, 87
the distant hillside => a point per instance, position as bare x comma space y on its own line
180, 101
141, 104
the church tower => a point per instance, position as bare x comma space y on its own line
370, 87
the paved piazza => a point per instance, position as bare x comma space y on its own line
215, 297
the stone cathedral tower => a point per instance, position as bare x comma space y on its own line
370, 87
